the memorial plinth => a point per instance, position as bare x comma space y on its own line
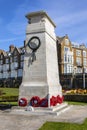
40, 72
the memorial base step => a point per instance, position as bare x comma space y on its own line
56, 110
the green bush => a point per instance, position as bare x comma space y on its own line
9, 98
75, 98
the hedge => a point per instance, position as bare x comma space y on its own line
8, 98
75, 98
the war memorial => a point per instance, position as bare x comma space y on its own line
40, 85
40, 92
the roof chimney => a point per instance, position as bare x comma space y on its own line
11, 48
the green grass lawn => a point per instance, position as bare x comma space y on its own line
76, 103
15, 92
10, 91
64, 126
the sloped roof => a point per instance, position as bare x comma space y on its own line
3, 52
60, 39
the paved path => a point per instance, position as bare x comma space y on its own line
21, 121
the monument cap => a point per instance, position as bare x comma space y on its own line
38, 13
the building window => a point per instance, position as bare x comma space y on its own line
1, 75
14, 73
12, 66
78, 61
69, 68
68, 58
65, 69
22, 57
15, 58
1, 62
84, 61
20, 73
7, 61
5, 74
66, 48
84, 53
65, 58
66, 41
1, 56
11, 59
22, 64
15, 65
4, 67
79, 70
78, 53
1, 68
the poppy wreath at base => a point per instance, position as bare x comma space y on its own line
54, 100
35, 101
22, 102
44, 102
60, 99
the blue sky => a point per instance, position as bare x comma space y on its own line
70, 17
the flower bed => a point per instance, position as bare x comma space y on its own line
77, 95
76, 98
75, 91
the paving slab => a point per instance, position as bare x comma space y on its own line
20, 121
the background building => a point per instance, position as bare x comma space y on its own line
72, 60
11, 66
72, 63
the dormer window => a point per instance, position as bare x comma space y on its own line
66, 41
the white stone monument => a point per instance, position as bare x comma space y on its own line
40, 72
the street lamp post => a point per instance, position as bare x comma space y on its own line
73, 77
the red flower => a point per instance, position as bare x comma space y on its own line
35, 101
60, 99
53, 101
44, 102
22, 102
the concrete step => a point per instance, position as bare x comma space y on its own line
56, 110
52, 108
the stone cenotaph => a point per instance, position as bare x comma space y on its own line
40, 72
